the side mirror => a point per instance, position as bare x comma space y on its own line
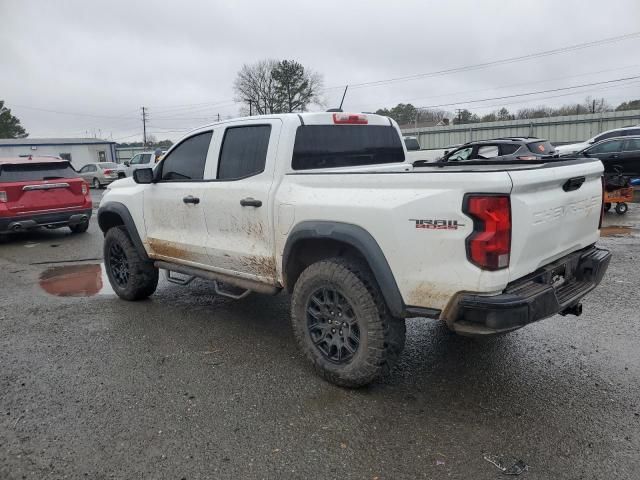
143, 175
127, 164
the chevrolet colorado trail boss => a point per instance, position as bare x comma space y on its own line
324, 206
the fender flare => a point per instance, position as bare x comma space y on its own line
127, 220
362, 241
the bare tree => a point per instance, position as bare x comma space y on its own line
270, 86
255, 87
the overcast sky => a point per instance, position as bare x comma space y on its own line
100, 61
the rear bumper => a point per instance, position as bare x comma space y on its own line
51, 219
555, 288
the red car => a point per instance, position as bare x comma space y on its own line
42, 192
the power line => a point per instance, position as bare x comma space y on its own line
502, 87
465, 102
69, 113
477, 66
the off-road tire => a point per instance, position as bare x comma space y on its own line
79, 227
382, 336
142, 278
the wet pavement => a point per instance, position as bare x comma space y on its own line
189, 385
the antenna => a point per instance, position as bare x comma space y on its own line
343, 95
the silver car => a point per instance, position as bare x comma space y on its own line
102, 173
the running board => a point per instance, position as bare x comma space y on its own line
242, 283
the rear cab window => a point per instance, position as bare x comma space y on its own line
36, 172
332, 146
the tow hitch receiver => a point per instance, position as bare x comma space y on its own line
574, 310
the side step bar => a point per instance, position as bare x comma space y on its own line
192, 272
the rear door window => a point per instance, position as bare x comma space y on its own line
541, 148
187, 160
606, 147
331, 146
36, 172
243, 152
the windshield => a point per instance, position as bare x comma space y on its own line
330, 146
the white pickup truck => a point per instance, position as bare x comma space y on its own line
325, 207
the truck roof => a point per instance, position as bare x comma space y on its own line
309, 118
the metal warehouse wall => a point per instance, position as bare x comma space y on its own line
80, 154
558, 130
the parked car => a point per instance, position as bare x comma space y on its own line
103, 173
616, 132
42, 192
325, 207
139, 160
619, 155
508, 148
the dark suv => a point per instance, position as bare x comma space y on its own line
507, 148
619, 155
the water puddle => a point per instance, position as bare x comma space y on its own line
84, 280
617, 231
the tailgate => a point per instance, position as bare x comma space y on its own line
38, 196
555, 210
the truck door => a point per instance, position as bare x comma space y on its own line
239, 212
174, 206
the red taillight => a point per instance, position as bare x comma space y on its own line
107, 171
3, 197
489, 246
350, 118
85, 189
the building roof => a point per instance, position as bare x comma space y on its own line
30, 159
27, 142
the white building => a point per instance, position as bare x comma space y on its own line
79, 150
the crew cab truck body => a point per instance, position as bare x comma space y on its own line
42, 192
325, 206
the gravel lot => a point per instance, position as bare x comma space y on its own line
187, 385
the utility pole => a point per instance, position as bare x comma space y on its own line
218, 117
459, 112
145, 115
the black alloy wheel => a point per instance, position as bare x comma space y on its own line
332, 325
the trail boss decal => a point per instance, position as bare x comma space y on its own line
437, 224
